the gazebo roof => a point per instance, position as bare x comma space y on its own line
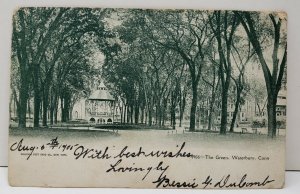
101, 94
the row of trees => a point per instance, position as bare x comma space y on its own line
157, 62
166, 58
51, 59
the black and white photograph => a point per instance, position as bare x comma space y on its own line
147, 98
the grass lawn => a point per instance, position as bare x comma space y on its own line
61, 132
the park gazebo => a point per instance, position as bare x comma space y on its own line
100, 106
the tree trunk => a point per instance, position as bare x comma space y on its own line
163, 116
15, 102
70, 116
136, 114
37, 97
224, 111
160, 113
10, 104
29, 110
25, 76
271, 108
23, 97
45, 110
67, 107
210, 117
182, 107
55, 115
22, 108
124, 113
211, 109
193, 108
62, 109
173, 118
121, 114
45, 106
131, 114
51, 115
37, 103
52, 107
143, 114
150, 117
171, 110
156, 113
128, 114
236, 109
55, 109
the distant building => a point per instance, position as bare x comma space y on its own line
248, 111
99, 107
281, 106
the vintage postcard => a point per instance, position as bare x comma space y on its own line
142, 98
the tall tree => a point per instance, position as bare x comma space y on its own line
40, 36
242, 53
224, 25
274, 70
184, 32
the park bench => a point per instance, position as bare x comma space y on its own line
244, 130
254, 130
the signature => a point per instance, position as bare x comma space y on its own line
164, 181
225, 182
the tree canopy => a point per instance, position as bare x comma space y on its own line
164, 66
